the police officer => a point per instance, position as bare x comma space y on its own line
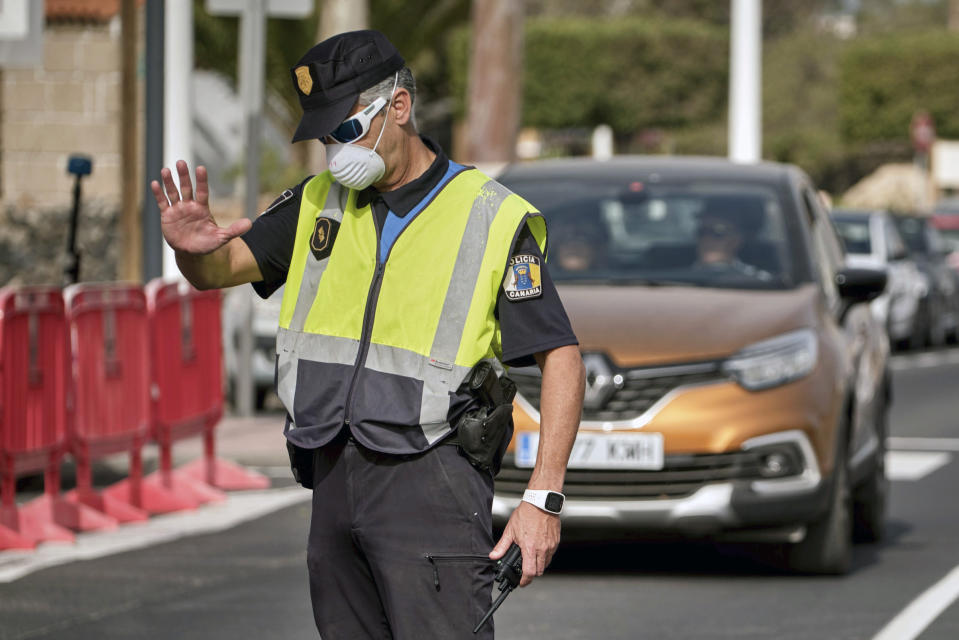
402, 271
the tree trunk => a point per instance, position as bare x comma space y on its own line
495, 81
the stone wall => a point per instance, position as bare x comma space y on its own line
70, 104
33, 243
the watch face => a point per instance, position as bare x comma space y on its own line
554, 502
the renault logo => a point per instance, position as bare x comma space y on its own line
602, 381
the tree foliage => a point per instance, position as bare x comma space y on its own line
835, 107
801, 77
216, 47
630, 74
887, 78
418, 28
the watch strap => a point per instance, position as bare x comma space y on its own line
545, 499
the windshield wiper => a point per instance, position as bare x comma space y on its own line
648, 282
629, 282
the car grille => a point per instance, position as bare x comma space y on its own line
639, 389
680, 476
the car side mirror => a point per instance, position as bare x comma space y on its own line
860, 284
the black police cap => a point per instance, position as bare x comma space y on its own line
330, 77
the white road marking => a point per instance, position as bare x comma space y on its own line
924, 360
914, 465
275, 472
922, 444
238, 508
913, 620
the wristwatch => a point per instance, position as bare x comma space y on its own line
548, 501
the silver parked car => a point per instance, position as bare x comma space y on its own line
929, 250
872, 240
266, 317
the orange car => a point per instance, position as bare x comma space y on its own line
735, 385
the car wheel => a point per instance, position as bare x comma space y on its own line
919, 335
952, 335
937, 328
871, 497
260, 399
260, 395
827, 547
920, 328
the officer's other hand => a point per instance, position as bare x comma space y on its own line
537, 534
185, 219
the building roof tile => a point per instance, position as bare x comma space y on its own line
83, 10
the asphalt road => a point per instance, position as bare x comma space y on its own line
216, 578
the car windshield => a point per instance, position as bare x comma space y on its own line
912, 232
854, 233
722, 235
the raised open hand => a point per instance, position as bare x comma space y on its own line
186, 222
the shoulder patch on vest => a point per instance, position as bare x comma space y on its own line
523, 280
285, 196
324, 234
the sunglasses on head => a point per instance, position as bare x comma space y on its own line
355, 127
717, 230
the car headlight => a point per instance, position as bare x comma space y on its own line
774, 362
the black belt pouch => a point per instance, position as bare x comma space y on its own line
301, 462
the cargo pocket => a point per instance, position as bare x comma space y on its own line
463, 587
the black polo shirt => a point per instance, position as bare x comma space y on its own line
531, 320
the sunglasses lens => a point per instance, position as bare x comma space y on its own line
716, 230
348, 131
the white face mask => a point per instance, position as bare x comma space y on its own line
354, 166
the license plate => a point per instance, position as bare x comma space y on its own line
600, 450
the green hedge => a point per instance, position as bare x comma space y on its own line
886, 79
801, 102
629, 73
838, 108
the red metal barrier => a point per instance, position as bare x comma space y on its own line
111, 373
34, 412
188, 386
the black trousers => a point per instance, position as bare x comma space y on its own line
399, 545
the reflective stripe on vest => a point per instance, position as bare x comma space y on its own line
384, 345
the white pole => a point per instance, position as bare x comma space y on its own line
252, 67
602, 142
745, 78
177, 98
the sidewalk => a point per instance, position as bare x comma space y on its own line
256, 441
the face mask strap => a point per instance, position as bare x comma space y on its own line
386, 114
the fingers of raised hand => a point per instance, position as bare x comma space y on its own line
202, 186
238, 228
172, 193
186, 185
162, 202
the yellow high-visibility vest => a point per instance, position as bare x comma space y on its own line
380, 345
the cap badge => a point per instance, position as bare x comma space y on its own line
304, 80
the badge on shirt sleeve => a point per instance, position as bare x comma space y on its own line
523, 279
324, 234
